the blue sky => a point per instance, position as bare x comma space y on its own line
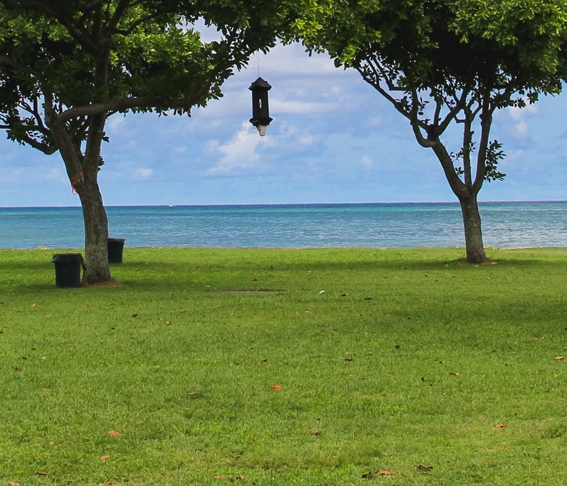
333, 139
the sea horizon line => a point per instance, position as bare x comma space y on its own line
221, 205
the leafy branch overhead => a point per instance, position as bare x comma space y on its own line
494, 155
66, 66
67, 61
440, 62
446, 63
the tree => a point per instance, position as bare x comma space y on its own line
67, 66
442, 63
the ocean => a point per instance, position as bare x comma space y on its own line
399, 225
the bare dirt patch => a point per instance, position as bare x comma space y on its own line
110, 283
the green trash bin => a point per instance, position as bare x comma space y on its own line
68, 269
115, 250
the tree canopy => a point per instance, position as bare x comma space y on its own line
68, 65
442, 63
111, 56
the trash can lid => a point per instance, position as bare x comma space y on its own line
67, 257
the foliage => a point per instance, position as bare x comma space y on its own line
393, 367
440, 62
109, 56
494, 155
535, 29
66, 66
445, 62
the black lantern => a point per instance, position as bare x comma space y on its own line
260, 110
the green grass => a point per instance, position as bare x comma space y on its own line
409, 358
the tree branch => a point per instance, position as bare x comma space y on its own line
21, 67
134, 25
438, 106
75, 32
467, 145
454, 111
447, 164
47, 149
486, 124
376, 85
62, 141
125, 104
122, 6
40, 127
94, 139
91, 5
384, 75
424, 142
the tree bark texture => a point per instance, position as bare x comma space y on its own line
467, 195
94, 214
473, 229
96, 233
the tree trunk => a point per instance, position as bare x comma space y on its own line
94, 214
469, 205
96, 233
473, 230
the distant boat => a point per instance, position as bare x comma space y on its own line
171, 205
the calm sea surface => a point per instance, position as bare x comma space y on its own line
505, 225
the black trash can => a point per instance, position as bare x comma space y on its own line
68, 269
115, 250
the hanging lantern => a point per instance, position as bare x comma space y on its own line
260, 110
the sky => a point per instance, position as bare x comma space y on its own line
333, 139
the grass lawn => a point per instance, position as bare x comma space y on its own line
215, 367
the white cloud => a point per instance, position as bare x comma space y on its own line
116, 122
515, 120
22, 174
238, 153
292, 61
519, 113
513, 158
292, 139
302, 84
521, 129
208, 33
327, 122
302, 108
306, 140
142, 174
375, 122
55, 174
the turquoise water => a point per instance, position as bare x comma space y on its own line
505, 225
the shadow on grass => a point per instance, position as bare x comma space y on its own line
26, 265
151, 268
193, 271
461, 264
